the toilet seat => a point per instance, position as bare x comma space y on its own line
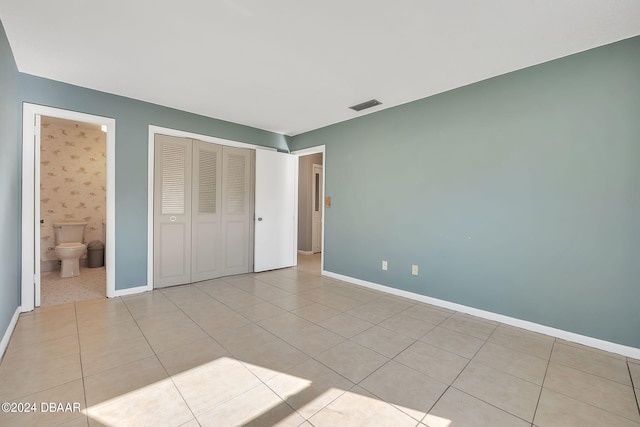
70, 245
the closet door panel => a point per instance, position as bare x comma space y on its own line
172, 254
172, 211
206, 205
235, 248
236, 210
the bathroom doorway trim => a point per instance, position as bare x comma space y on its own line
30, 292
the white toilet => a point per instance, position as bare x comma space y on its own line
69, 246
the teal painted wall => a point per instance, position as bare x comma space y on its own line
132, 120
519, 195
10, 175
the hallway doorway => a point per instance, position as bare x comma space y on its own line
311, 203
309, 263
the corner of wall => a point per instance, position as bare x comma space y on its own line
10, 159
4, 342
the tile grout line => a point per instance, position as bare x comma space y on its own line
170, 377
490, 404
459, 373
254, 323
578, 399
481, 400
518, 350
280, 397
313, 357
595, 374
227, 350
544, 378
633, 387
415, 340
60, 357
461, 391
471, 358
198, 325
84, 389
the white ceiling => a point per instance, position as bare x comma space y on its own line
291, 66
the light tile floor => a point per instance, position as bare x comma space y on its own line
290, 347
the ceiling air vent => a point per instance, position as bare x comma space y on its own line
365, 105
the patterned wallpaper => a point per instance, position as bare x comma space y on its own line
72, 182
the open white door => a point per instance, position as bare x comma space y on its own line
36, 210
30, 292
275, 210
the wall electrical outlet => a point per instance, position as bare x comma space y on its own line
384, 265
414, 270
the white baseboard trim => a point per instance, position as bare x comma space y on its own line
305, 252
7, 334
524, 324
131, 291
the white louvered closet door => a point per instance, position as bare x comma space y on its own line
203, 206
206, 211
237, 210
172, 211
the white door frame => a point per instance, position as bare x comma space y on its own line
31, 196
306, 152
153, 130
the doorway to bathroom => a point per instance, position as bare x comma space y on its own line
68, 178
73, 196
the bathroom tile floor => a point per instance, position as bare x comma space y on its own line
90, 284
290, 347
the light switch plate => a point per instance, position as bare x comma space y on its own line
384, 265
414, 270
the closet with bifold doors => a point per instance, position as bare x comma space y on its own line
202, 209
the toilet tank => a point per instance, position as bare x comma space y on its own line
69, 232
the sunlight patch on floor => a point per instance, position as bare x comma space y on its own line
434, 421
225, 384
